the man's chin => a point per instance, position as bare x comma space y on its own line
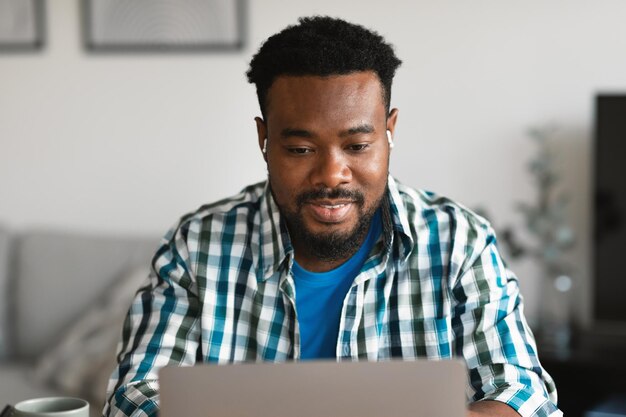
331, 241
332, 247
334, 236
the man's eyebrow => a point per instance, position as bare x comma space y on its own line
303, 133
363, 128
290, 132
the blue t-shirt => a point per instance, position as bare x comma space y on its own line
320, 295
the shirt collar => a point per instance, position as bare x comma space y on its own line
399, 220
275, 245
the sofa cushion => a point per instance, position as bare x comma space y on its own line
58, 276
17, 384
82, 363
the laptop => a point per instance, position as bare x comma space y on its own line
315, 389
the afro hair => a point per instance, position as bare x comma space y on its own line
322, 46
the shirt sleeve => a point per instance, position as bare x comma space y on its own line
494, 339
161, 328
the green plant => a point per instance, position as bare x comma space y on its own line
545, 218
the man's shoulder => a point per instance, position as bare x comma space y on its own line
435, 210
440, 226
232, 209
224, 228
248, 198
419, 200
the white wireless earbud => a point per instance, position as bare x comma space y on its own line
389, 139
265, 145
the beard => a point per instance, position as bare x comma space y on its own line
334, 245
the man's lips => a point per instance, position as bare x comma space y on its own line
330, 211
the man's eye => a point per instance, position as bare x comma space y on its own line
299, 151
357, 147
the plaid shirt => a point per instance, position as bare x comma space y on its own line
434, 286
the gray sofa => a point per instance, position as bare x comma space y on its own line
55, 292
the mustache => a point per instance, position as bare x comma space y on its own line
330, 194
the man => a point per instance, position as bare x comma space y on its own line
331, 257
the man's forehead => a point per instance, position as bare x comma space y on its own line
353, 92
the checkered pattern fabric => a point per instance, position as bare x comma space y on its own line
434, 286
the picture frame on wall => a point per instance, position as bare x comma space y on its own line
22, 26
163, 25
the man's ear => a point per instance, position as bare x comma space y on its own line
261, 131
391, 122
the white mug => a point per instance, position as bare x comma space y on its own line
52, 406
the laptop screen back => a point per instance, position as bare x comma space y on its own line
315, 389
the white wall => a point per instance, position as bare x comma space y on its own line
128, 143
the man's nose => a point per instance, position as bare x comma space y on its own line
331, 170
